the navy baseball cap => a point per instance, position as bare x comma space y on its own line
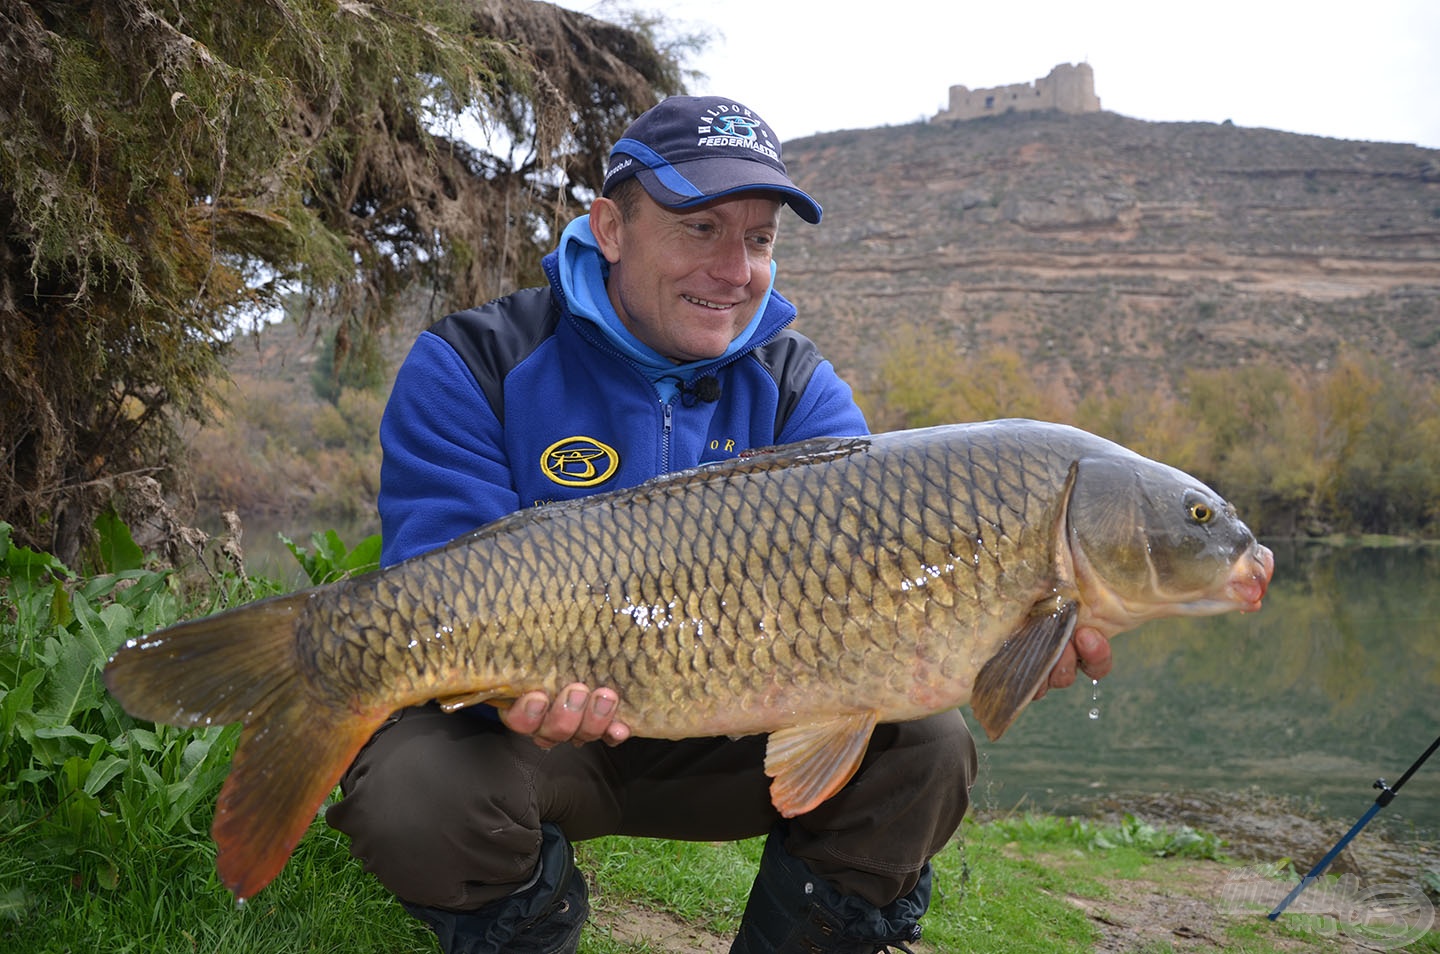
691, 149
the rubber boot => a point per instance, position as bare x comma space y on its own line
791, 911
543, 917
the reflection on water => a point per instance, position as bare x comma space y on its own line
1335, 683
267, 556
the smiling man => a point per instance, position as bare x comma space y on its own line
659, 343
688, 282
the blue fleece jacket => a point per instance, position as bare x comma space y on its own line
544, 395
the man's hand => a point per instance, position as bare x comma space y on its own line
1090, 649
577, 716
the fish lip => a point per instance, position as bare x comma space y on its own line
1243, 590
1250, 578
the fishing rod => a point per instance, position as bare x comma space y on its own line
1386, 796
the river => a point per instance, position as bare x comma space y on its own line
1333, 684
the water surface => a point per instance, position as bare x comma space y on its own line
1333, 684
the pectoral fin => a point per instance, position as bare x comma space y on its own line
809, 763
1008, 682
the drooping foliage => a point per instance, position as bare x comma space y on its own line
168, 167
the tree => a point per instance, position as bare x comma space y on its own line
168, 168
925, 379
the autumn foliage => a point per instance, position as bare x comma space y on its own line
1352, 447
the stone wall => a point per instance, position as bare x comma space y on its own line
1068, 88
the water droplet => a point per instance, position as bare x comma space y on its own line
1095, 698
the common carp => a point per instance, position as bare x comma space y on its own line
808, 591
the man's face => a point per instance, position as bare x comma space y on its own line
687, 281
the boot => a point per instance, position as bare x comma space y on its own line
791, 911
543, 917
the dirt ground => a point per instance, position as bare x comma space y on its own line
664, 933
1193, 912
1370, 901
1190, 913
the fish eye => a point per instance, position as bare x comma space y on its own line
1201, 512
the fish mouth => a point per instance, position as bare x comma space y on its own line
1250, 578
1241, 589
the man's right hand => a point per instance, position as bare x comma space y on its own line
577, 716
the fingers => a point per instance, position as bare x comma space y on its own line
1063, 673
1094, 652
1087, 652
576, 715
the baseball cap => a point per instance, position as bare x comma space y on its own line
690, 149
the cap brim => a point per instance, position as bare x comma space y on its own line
686, 184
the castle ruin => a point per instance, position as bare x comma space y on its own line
1069, 89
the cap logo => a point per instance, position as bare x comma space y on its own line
734, 125
739, 126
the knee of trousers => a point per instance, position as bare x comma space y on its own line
441, 809
929, 762
873, 837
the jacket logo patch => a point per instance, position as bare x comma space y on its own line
579, 462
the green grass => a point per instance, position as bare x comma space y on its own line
992, 900
104, 844
702, 883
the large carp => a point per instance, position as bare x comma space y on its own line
808, 591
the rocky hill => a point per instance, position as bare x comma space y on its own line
1114, 252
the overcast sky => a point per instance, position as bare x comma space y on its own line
1362, 69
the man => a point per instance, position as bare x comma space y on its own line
658, 344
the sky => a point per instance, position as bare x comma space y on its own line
1363, 69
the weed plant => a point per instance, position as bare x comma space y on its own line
104, 841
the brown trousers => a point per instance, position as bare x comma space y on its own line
446, 809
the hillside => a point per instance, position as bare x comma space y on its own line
1103, 248
1111, 254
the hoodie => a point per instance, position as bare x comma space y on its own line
544, 395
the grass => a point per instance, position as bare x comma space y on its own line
104, 844
701, 883
993, 900
1004, 886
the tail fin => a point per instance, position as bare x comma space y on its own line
241, 666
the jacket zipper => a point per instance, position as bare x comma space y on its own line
665, 429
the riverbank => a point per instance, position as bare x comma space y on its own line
1118, 880
1264, 829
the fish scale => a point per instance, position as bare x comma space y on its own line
549, 615
807, 592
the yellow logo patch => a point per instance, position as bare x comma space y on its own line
579, 462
